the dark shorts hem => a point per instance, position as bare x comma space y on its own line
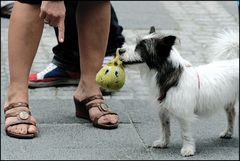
30, 1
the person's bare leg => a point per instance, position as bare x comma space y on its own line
93, 22
23, 38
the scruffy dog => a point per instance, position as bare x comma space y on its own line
185, 91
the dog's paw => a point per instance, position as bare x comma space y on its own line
187, 151
160, 144
226, 134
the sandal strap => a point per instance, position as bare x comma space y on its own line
16, 114
101, 106
91, 98
14, 105
19, 121
105, 110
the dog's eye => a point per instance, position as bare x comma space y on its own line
116, 72
107, 71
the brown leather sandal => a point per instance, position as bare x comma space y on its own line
23, 117
82, 111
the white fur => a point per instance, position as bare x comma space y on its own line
225, 46
219, 87
219, 84
130, 57
177, 59
201, 91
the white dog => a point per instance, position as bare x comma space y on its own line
185, 91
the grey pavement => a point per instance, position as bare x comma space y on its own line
63, 136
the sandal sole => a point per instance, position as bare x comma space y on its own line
106, 127
63, 82
19, 136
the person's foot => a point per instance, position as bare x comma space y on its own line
88, 90
19, 122
52, 76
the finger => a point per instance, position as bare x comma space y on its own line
46, 20
53, 23
61, 30
51, 20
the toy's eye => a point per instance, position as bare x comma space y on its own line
107, 71
116, 73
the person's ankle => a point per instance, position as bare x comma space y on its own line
17, 94
86, 89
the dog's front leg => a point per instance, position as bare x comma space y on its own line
188, 148
164, 130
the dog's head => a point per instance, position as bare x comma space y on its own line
155, 51
152, 49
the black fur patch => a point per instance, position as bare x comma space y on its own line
154, 52
168, 76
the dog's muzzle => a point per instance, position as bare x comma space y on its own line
132, 62
127, 62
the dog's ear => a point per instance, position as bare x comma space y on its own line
152, 30
164, 46
169, 40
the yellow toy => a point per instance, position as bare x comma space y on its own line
112, 75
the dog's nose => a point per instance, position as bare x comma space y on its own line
121, 51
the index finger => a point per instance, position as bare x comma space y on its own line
61, 30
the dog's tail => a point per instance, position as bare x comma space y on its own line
225, 46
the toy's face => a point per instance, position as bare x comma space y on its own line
111, 77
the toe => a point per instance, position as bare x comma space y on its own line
108, 119
32, 129
13, 129
9, 129
103, 120
113, 119
22, 129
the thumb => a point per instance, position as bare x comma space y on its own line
61, 30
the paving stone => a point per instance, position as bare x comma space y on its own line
63, 136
